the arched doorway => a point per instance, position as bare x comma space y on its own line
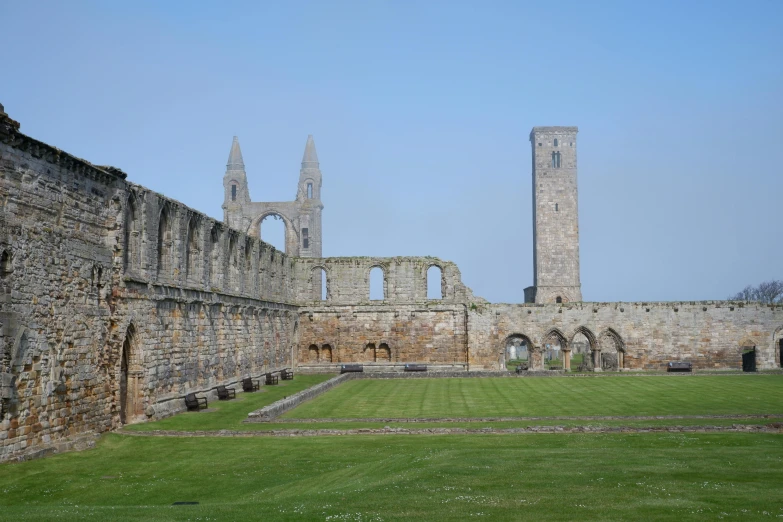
553, 347
129, 379
515, 352
612, 350
584, 352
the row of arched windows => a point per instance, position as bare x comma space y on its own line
377, 284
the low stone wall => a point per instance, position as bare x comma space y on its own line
277, 408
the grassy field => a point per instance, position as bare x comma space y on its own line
495, 477
517, 397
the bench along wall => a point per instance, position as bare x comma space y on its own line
637, 335
116, 301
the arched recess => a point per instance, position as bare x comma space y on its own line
132, 233
215, 258
6, 263
319, 283
312, 354
383, 353
376, 283
326, 353
436, 283
747, 348
612, 348
233, 263
553, 344
129, 378
368, 355
164, 242
515, 351
291, 234
193, 250
248, 281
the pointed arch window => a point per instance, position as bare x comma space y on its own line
556, 160
233, 192
555, 142
309, 191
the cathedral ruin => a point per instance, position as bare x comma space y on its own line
116, 301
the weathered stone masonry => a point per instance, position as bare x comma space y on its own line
116, 301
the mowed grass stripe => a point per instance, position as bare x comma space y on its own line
511, 397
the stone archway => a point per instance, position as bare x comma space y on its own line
291, 234
553, 342
129, 379
516, 349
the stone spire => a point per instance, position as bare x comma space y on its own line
310, 158
235, 157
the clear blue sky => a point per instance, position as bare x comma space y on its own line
421, 113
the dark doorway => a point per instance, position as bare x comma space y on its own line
124, 382
749, 359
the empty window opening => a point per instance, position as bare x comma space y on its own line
540, 144
555, 142
193, 250
6, 265
377, 284
233, 192
309, 191
516, 352
132, 235
556, 160
434, 282
305, 238
558, 299
319, 284
557, 207
271, 230
571, 144
215, 258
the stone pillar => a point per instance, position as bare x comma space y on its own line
567, 360
597, 361
620, 360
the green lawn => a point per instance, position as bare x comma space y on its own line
556, 396
497, 477
230, 414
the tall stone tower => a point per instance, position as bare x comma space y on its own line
302, 217
555, 217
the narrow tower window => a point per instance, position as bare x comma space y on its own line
557, 207
305, 238
309, 191
554, 162
559, 299
555, 142
233, 192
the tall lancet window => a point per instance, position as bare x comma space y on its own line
309, 191
233, 192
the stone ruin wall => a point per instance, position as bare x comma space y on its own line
710, 334
84, 275
404, 327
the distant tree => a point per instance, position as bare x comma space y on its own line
767, 292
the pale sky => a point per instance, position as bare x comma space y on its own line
421, 113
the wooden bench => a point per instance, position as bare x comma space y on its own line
225, 394
415, 367
350, 368
521, 368
195, 403
287, 374
249, 385
679, 366
270, 378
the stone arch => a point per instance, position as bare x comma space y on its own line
319, 289
133, 232
612, 348
553, 337
215, 258
748, 349
164, 241
193, 249
368, 354
291, 233
520, 344
249, 275
384, 270
442, 274
233, 263
313, 354
326, 353
129, 378
383, 353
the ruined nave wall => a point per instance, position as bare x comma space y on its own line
107, 286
